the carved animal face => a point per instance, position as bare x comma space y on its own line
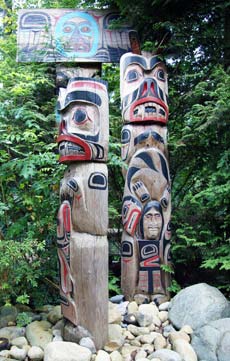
84, 125
144, 89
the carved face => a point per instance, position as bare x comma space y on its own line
151, 221
141, 136
144, 89
84, 125
152, 224
77, 35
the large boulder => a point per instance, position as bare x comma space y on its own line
39, 333
198, 304
66, 351
212, 341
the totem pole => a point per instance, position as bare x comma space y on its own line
83, 214
85, 38
146, 207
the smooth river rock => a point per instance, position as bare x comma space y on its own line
102, 356
184, 349
55, 315
66, 351
7, 314
165, 355
197, 305
115, 339
39, 333
114, 313
12, 332
18, 353
212, 341
35, 353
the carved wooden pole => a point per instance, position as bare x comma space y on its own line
83, 214
146, 205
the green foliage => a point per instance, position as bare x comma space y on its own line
174, 287
114, 288
23, 319
29, 174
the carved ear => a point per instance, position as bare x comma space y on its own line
163, 42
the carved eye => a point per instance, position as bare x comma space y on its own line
132, 76
98, 181
73, 185
161, 75
125, 136
85, 29
80, 116
67, 29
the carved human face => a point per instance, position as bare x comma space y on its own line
144, 89
152, 224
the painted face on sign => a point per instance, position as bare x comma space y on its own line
144, 89
77, 35
84, 125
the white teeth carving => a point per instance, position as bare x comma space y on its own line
67, 148
148, 109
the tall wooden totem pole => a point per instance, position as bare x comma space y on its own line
146, 207
83, 37
83, 214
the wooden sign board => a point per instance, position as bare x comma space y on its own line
68, 35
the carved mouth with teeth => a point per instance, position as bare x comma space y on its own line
73, 148
149, 109
67, 148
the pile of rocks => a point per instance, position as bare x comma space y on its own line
195, 325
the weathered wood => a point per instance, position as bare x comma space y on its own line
89, 269
85, 186
146, 215
64, 227
137, 136
83, 214
64, 72
129, 265
146, 208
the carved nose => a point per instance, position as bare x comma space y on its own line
149, 88
76, 34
